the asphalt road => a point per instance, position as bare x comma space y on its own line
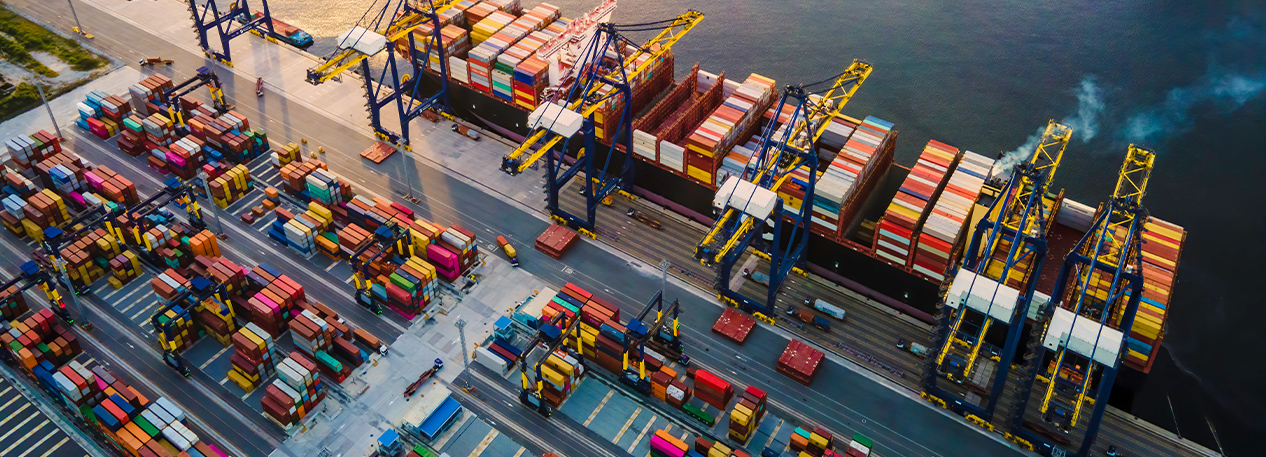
841, 399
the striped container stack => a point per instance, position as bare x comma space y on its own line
62, 172
39, 211
132, 136
1161, 251
311, 333
130, 421
26, 150
277, 295
231, 186
323, 187
489, 26
483, 57
852, 164
101, 113
255, 357
184, 157
284, 155
158, 130
409, 288
559, 372
503, 70
664, 444
945, 224
112, 186
729, 123
38, 340
86, 256
295, 393
169, 284
834, 184
12, 306
149, 93
899, 227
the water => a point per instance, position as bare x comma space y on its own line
1184, 78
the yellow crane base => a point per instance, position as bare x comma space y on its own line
978, 421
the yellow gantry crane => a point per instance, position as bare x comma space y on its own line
1113, 237
817, 115
537, 144
350, 54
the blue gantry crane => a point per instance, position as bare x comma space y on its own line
996, 284
747, 202
1075, 346
233, 22
378, 30
605, 73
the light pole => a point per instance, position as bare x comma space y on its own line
78, 28
40, 87
206, 186
461, 338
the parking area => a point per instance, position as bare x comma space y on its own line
26, 432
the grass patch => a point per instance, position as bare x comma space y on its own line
14, 52
23, 98
30, 36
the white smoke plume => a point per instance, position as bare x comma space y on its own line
1173, 116
1084, 122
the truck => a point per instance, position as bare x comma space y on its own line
760, 278
815, 320
829, 309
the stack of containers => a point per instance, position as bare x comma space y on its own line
854, 162
231, 186
409, 288
38, 340
712, 389
322, 186
85, 256
831, 187
456, 42
664, 444
728, 123
132, 136
746, 415
559, 372
351, 238
26, 150
149, 93
158, 131
945, 224
859, 447
62, 172
112, 186
903, 220
277, 295
184, 157
295, 393
168, 284
295, 174
1161, 252
12, 306
13, 183
284, 155
311, 333
255, 358
490, 41
14, 214
503, 70
816, 442
101, 114
799, 362
531, 76
39, 211
155, 238
454, 252
299, 233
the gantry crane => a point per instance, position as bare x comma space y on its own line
1076, 342
391, 240
31, 275
377, 33
204, 77
229, 25
748, 201
185, 303
550, 335
571, 112
640, 334
997, 280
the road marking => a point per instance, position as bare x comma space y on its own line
521, 451
41, 441
216, 356
55, 447
244, 395
111, 294
138, 289
599, 408
16, 427
331, 267
222, 381
10, 402
349, 279
256, 168
774, 434
626, 426
452, 431
492, 435
142, 311
15, 414
263, 227
683, 436
645, 429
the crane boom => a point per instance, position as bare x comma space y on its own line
515, 162
395, 30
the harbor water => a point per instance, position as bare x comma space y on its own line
1184, 78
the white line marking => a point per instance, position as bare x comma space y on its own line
216, 356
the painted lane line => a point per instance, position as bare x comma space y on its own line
599, 408
627, 424
41, 441
16, 427
55, 447
212, 359
645, 429
15, 414
129, 295
492, 435
331, 267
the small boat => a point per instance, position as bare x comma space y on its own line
293, 36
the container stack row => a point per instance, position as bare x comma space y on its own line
734, 120
284, 155
946, 222
503, 71
295, 393
149, 93
277, 294
856, 162
409, 288
86, 256
1161, 251
28, 217
901, 223
816, 442
799, 361
746, 415
36, 340
531, 75
254, 359
112, 186
27, 150
231, 186
102, 114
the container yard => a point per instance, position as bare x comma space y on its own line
227, 309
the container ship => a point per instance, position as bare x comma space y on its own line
893, 228
293, 36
